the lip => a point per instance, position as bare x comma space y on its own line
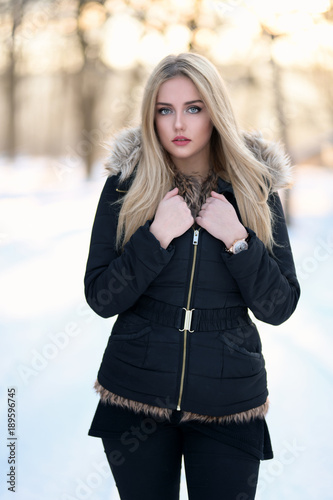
180, 140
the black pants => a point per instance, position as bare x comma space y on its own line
145, 456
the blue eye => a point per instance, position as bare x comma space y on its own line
194, 109
164, 111
167, 111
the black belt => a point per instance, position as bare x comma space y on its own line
190, 319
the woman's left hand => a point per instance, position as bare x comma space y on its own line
219, 218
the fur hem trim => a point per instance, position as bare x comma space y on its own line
238, 418
108, 397
124, 151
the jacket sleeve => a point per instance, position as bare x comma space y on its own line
114, 281
267, 281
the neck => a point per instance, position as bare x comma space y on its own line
193, 169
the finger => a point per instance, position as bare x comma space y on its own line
199, 220
212, 199
218, 196
180, 198
171, 193
207, 203
208, 200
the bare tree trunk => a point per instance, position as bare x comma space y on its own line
87, 88
10, 79
279, 106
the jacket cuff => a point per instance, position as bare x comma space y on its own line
148, 248
245, 263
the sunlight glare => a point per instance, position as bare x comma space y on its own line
230, 47
280, 7
205, 38
121, 37
177, 38
286, 16
152, 48
92, 16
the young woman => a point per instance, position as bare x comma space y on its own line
188, 236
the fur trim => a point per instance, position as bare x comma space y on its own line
108, 397
125, 153
125, 150
194, 190
273, 155
238, 418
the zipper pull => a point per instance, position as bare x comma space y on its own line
196, 237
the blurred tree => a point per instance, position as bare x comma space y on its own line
10, 78
87, 80
281, 116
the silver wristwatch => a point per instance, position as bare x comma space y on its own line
238, 246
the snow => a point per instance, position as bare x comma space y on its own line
52, 343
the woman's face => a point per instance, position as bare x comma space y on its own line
183, 125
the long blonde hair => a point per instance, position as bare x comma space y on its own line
231, 159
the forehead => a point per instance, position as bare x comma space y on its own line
178, 89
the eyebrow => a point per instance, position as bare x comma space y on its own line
186, 103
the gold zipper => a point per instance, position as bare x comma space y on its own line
195, 243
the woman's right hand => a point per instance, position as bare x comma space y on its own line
172, 218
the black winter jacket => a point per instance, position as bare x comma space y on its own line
207, 361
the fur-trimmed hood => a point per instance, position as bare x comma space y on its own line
125, 150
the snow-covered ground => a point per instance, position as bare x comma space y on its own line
52, 344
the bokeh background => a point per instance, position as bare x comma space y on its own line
71, 74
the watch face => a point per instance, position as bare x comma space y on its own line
239, 246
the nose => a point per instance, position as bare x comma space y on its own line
179, 123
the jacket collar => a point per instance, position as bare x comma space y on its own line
224, 186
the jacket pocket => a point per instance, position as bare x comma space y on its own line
129, 326
243, 338
121, 337
235, 347
129, 349
241, 353
129, 340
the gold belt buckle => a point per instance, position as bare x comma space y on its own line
187, 320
